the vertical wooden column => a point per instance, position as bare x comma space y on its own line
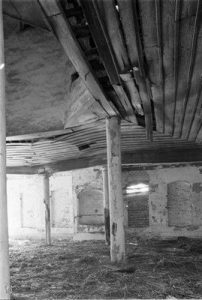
117, 232
4, 251
106, 205
75, 212
47, 208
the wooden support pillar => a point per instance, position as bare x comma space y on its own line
116, 207
47, 208
4, 250
75, 213
106, 205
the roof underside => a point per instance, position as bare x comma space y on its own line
140, 60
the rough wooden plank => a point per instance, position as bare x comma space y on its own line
140, 75
176, 54
152, 45
110, 23
196, 121
194, 74
168, 19
62, 29
146, 102
38, 135
199, 135
100, 38
154, 156
187, 21
106, 205
117, 231
105, 50
130, 87
47, 208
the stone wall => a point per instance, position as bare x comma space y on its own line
174, 200
173, 206
156, 211
185, 200
87, 187
26, 211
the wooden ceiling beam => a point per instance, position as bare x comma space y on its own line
167, 9
135, 157
111, 22
151, 50
132, 37
196, 121
56, 17
188, 105
105, 51
176, 54
158, 16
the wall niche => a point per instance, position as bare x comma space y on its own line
90, 202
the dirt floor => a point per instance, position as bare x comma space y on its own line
82, 270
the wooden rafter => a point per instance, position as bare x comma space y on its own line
196, 121
141, 76
104, 48
167, 11
109, 20
187, 109
176, 54
62, 29
147, 11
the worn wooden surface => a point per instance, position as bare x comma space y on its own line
117, 231
106, 204
146, 65
47, 208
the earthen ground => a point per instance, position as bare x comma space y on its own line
82, 270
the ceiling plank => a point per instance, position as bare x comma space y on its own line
160, 91
176, 54
108, 17
168, 19
196, 121
141, 75
187, 37
194, 76
106, 53
62, 29
143, 89
152, 46
136, 157
130, 25
38, 135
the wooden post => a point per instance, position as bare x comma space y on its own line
75, 213
4, 250
47, 208
106, 205
117, 232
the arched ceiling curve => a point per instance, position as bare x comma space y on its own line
138, 59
